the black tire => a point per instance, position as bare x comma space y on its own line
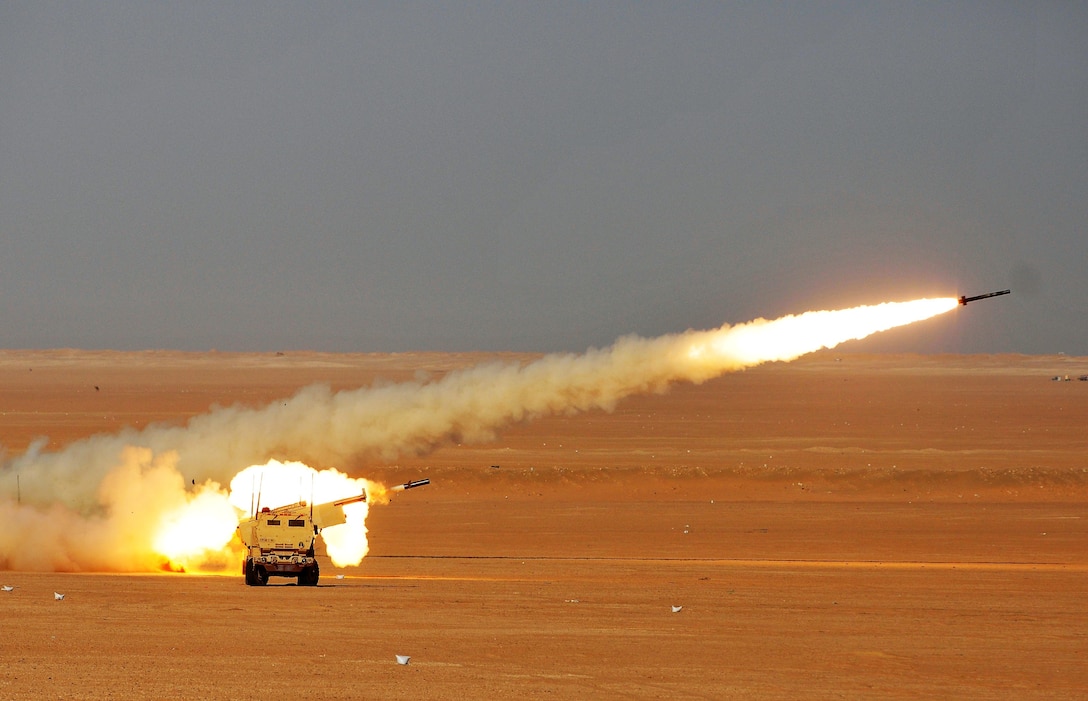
261, 576
247, 569
308, 577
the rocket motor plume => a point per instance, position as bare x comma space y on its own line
81, 506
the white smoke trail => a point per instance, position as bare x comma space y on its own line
318, 426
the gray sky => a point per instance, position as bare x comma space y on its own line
537, 176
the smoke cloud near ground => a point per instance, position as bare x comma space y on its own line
96, 504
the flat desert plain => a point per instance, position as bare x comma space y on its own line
843, 526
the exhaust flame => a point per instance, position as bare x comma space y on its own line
790, 337
121, 503
198, 534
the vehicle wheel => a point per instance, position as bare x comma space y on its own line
247, 569
261, 576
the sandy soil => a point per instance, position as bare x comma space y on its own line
845, 526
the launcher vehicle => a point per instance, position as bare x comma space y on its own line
280, 541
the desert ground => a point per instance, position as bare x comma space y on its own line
843, 526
